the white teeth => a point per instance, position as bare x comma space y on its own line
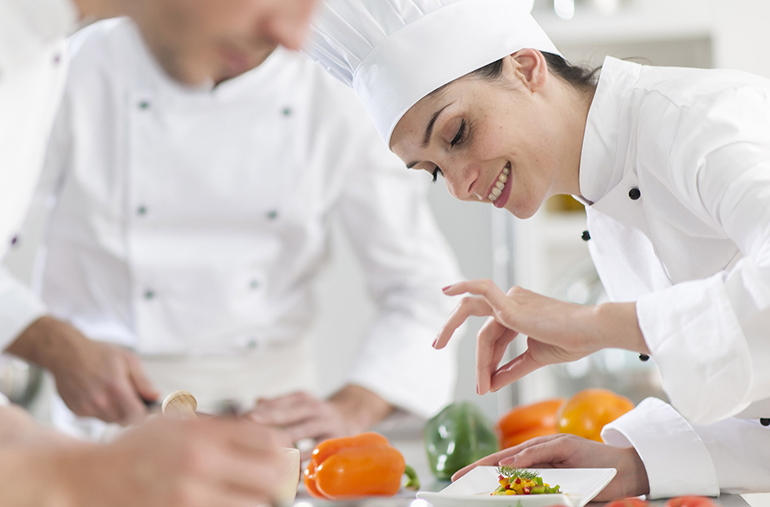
497, 190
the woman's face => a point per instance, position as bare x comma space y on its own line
500, 142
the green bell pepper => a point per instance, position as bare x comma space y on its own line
459, 435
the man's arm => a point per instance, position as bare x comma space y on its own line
164, 463
94, 379
17, 428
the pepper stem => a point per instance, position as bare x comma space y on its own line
412, 481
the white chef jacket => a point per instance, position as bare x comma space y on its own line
192, 221
676, 164
676, 168
32, 69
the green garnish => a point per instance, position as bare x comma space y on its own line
514, 473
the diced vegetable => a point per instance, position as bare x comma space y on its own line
514, 481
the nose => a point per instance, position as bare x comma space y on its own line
462, 181
288, 25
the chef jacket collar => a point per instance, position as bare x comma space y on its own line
607, 133
173, 91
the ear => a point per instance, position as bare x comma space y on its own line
531, 68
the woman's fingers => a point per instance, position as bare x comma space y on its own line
518, 367
492, 341
468, 307
482, 288
541, 451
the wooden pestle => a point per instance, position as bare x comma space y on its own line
180, 404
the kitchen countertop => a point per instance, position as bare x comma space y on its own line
410, 445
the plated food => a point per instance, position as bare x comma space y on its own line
473, 489
515, 481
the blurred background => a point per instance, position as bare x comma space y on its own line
545, 253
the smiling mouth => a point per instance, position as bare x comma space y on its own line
498, 188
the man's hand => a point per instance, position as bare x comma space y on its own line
570, 451
94, 379
301, 416
163, 463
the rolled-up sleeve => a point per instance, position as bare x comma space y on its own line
680, 458
675, 458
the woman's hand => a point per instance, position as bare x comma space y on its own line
570, 451
558, 331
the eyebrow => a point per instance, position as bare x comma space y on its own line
431, 123
429, 131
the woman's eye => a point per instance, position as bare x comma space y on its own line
460, 134
435, 173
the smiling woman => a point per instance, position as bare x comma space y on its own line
673, 166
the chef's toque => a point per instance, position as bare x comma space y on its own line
395, 52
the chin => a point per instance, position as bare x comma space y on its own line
522, 210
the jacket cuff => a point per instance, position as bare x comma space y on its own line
675, 458
713, 382
19, 307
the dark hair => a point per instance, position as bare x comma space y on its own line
582, 78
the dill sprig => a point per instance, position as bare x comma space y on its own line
513, 473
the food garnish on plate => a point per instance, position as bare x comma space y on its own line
517, 481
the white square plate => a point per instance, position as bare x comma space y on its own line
580, 486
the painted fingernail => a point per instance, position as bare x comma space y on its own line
446, 288
434, 343
478, 391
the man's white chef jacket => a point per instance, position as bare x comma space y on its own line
193, 221
676, 166
32, 71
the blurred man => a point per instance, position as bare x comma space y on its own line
38, 467
187, 225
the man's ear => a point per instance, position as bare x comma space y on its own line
531, 68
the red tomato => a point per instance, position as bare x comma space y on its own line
690, 501
628, 502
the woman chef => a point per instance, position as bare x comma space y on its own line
674, 168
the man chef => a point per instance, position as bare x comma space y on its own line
186, 227
148, 466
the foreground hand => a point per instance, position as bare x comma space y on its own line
224, 462
301, 416
570, 451
557, 331
94, 379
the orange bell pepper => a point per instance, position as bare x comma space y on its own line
354, 467
528, 421
586, 413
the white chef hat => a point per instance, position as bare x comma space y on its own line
395, 52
